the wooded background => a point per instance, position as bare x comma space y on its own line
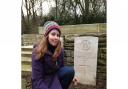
65, 12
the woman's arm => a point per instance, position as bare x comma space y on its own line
37, 74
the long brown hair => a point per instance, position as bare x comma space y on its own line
42, 48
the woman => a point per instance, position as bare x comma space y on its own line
48, 70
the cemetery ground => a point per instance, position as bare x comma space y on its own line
72, 86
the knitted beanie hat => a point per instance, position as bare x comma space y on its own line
49, 26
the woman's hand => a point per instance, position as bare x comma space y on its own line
75, 81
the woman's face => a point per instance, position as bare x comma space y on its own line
54, 37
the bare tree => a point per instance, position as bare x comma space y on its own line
33, 16
73, 5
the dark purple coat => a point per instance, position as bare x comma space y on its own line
43, 71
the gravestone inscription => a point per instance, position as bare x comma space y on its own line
85, 59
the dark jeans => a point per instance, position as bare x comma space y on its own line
65, 74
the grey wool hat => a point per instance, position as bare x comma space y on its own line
49, 25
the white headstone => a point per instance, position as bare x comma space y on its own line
85, 59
